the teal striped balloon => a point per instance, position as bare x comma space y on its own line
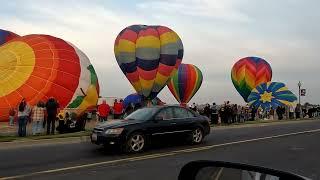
271, 95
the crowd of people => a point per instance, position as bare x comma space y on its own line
228, 113
44, 115
41, 115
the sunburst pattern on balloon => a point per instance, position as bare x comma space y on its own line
271, 95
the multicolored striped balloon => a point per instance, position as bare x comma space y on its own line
6, 36
185, 83
36, 67
249, 72
271, 95
148, 56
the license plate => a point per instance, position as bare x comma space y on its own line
94, 137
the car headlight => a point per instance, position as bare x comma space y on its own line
116, 131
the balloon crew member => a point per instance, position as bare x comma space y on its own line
103, 111
117, 109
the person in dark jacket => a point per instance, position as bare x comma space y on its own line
52, 109
279, 112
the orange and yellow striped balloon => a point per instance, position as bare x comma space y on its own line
36, 67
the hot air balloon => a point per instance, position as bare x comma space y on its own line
185, 83
271, 95
37, 67
248, 73
148, 56
6, 36
138, 99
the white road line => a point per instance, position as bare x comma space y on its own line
158, 155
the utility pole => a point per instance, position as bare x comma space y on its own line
299, 85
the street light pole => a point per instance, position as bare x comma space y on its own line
299, 85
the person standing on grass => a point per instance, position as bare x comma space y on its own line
38, 115
52, 109
23, 117
12, 114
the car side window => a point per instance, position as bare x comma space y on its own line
182, 113
165, 114
190, 114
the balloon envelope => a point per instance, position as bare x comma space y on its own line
132, 98
185, 82
138, 99
6, 36
36, 67
271, 95
248, 73
148, 56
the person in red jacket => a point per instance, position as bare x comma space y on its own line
117, 109
103, 110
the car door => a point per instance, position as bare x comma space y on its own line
164, 125
183, 120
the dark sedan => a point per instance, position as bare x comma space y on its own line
143, 126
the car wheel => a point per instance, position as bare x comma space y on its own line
135, 143
197, 136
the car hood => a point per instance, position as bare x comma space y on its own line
117, 123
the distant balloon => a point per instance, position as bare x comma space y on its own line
271, 95
148, 56
248, 73
132, 99
138, 99
185, 83
6, 36
37, 67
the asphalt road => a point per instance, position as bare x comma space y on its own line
297, 153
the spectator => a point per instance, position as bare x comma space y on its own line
194, 107
291, 112
129, 109
234, 113
52, 109
279, 112
271, 114
207, 110
214, 114
298, 111
103, 111
38, 115
12, 114
23, 117
117, 109
253, 113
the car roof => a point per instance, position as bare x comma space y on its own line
164, 106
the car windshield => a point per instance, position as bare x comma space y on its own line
142, 114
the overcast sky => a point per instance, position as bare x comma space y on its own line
215, 34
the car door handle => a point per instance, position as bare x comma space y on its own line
173, 123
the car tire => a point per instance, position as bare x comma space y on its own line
196, 136
136, 143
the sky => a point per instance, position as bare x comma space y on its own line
215, 35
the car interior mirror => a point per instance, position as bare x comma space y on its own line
217, 170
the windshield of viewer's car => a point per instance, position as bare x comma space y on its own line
142, 114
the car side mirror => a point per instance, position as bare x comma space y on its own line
157, 119
208, 170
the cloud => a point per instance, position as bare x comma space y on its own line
215, 34
222, 10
